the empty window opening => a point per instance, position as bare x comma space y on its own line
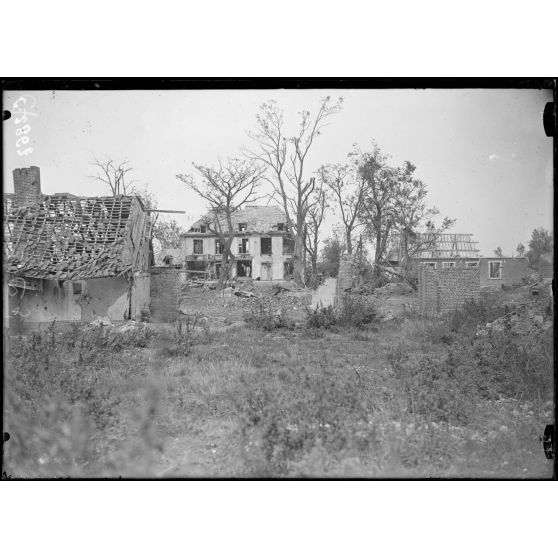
266, 272
448, 265
288, 270
203, 229
265, 246
495, 270
243, 247
281, 226
242, 227
243, 269
77, 287
430, 264
288, 245
198, 246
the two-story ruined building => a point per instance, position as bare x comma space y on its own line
263, 246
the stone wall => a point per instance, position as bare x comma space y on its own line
441, 290
164, 291
346, 276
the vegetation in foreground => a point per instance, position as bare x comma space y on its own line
405, 398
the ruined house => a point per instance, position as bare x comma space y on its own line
263, 246
498, 272
72, 259
437, 251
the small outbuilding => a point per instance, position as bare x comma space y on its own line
72, 259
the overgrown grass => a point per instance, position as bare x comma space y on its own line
341, 396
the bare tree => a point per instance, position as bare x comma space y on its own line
499, 253
114, 174
349, 189
285, 158
226, 188
315, 218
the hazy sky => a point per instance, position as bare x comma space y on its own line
482, 153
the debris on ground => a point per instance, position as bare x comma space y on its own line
520, 321
244, 294
101, 321
393, 289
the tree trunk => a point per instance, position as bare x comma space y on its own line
349, 242
298, 261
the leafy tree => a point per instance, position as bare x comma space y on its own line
168, 232
498, 252
413, 217
331, 255
348, 188
541, 248
520, 250
378, 207
226, 188
285, 158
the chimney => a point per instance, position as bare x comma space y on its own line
27, 187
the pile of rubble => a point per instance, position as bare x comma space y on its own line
393, 300
243, 296
520, 321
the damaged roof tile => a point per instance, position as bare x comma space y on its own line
76, 238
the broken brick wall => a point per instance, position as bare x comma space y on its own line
27, 187
346, 276
441, 290
164, 293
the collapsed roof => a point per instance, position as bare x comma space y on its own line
258, 219
434, 245
67, 237
446, 245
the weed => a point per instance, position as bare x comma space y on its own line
263, 317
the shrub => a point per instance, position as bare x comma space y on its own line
473, 313
321, 317
262, 316
356, 311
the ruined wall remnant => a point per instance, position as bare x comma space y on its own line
164, 291
441, 290
346, 276
513, 271
27, 187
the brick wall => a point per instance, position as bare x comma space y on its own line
441, 290
513, 271
27, 187
164, 291
546, 270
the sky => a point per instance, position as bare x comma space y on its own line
482, 153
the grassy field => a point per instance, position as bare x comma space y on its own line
335, 397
